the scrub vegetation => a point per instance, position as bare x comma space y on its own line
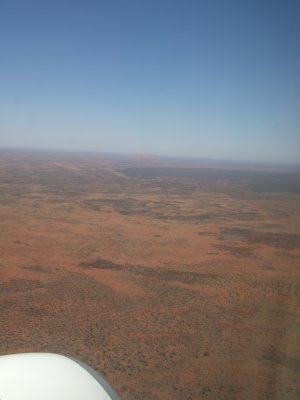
176, 280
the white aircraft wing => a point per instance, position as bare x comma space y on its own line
45, 376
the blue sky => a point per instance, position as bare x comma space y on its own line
213, 79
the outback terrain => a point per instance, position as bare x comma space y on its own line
177, 280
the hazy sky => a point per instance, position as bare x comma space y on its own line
212, 78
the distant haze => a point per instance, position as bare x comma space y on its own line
211, 79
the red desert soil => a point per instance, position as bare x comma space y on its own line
176, 281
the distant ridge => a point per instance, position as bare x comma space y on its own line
145, 156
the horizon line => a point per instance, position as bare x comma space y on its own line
150, 155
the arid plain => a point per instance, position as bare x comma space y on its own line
177, 280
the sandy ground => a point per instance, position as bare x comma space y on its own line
175, 282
